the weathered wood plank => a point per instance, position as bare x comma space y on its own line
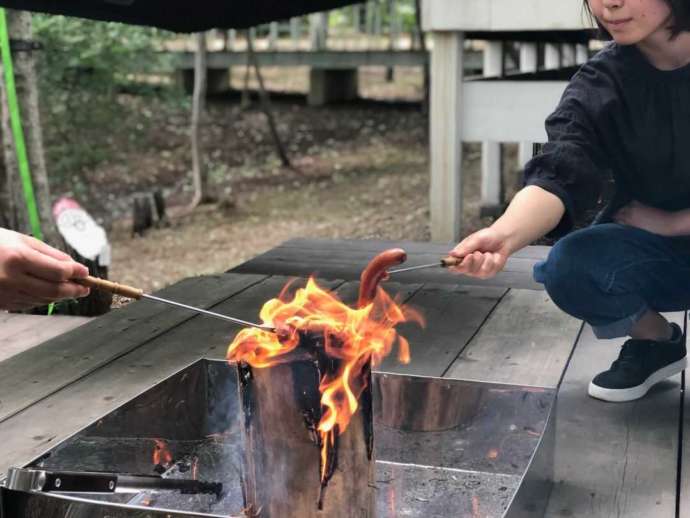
613, 459
20, 332
345, 259
453, 315
40, 371
375, 246
527, 340
38, 427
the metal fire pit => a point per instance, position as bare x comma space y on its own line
442, 447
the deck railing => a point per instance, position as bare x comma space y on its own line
374, 25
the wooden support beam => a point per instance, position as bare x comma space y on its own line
502, 15
446, 136
581, 53
318, 30
528, 57
273, 35
507, 110
491, 192
568, 55
528, 63
295, 30
357, 18
491, 176
552, 56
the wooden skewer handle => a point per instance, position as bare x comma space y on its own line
450, 261
111, 287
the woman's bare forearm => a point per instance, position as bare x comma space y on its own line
532, 213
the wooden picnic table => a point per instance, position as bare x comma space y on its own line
611, 460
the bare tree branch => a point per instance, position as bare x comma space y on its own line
199, 172
265, 103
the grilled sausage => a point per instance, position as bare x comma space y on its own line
376, 271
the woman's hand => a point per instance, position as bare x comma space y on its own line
33, 273
484, 253
657, 221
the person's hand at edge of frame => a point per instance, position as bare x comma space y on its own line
484, 254
33, 273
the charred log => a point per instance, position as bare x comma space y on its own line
283, 471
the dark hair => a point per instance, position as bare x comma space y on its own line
680, 12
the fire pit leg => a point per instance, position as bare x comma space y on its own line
282, 455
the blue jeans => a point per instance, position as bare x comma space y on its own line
609, 275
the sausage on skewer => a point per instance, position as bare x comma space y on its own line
376, 272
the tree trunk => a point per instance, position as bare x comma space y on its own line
422, 44
265, 104
12, 217
199, 173
19, 27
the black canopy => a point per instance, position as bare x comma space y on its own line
180, 15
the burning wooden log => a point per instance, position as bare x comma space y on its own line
306, 398
284, 471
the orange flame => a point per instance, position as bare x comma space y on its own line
161, 453
354, 337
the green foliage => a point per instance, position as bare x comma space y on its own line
343, 18
82, 69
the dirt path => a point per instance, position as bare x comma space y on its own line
364, 173
385, 201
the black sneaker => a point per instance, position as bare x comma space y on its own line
640, 365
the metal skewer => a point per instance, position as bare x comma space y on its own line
446, 262
136, 293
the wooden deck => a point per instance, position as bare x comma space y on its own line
612, 460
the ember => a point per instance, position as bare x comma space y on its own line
162, 458
344, 340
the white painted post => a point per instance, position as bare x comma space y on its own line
552, 56
568, 54
232, 39
446, 135
493, 59
528, 57
581, 53
528, 63
491, 150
